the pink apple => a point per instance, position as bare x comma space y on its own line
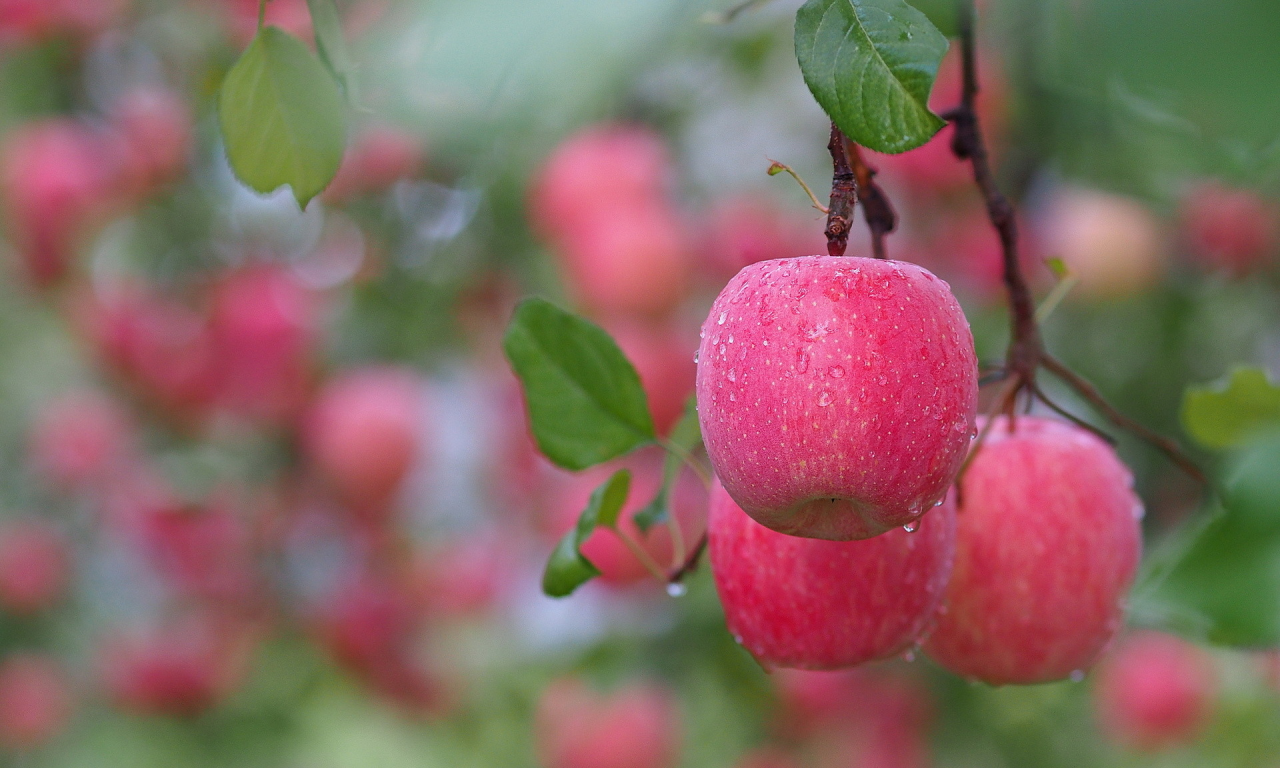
263, 326
364, 434
836, 395
1155, 690
662, 354
1114, 245
378, 157
35, 565
1047, 547
154, 136
463, 576
290, 15
637, 726
814, 604
604, 548
1230, 229
203, 551
79, 439
35, 701
744, 230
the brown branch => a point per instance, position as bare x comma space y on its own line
691, 562
876, 208
1091, 394
844, 194
1079, 422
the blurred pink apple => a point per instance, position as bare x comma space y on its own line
35, 565
1155, 690
1113, 245
154, 137
1230, 229
35, 701
814, 604
378, 156
836, 395
79, 439
663, 357
637, 726
1047, 547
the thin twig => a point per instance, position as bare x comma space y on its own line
690, 563
644, 557
844, 194
776, 168
1079, 422
724, 17
1091, 394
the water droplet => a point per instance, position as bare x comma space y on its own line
1077, 676
824, 399
1139, 511
836, 372
676, 589
912, 526
733, 375
695, 356
802, 361
722, 317
909, 655
939, 502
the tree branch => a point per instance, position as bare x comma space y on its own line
844, 194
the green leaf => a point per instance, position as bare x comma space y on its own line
1230, 412
871, 65
942, 13
1058, 267
585, 402
332, 46
1225, 587
654, 513
567, 568
282, 117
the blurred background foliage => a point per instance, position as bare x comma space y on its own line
172, 348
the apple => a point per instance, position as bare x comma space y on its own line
35, 566
1229, 229
636, 726
744, 230
263, 325
815, 604
662, 354
618, 566
200, 550
1155, 690
154, 138
35, 701
379, 156
79, 439
836, 395
1114, 245
363, 434
1046, 550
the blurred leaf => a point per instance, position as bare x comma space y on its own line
685, 436
1229, 412
1058, 267
871, 65
567, 568
282, 117
1226, 585
942, 13
332, 46
585, 401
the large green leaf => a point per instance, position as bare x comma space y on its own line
282, 117
567, 568
585, 401
1228, 413
1225, 586
871, 65
331, 45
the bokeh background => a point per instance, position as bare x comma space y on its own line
267, 496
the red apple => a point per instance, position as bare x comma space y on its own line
1046, 551
1155, 690
635, 727
662, 354
35, 702
364, 434
814, 604
604, 548
38, 19
199, 550
35, 566
1229, 229
80, 439
836, 395
1113, 245
263, 326
378, 157
744, 230
154, 138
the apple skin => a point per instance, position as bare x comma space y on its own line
637, 726
1047, 547
837, 396
875, 597
35, 701
1155, 690
35, 566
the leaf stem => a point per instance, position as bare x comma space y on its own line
644, 557
688, 459
262, 13
776, 168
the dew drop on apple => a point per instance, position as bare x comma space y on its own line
676, 589
912, 526
836, 372
824, 399
1077, 676
695, 356
802, 362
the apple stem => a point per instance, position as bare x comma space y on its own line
688, 459
844, 194
776, 168
677, 540
724, 17
644, 557
690, 562
262, 13
1026, 352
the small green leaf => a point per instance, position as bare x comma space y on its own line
332, 46
585, 401
1225, 586
1230, 412
567, 568
1058, 267
282, 117
871, 65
